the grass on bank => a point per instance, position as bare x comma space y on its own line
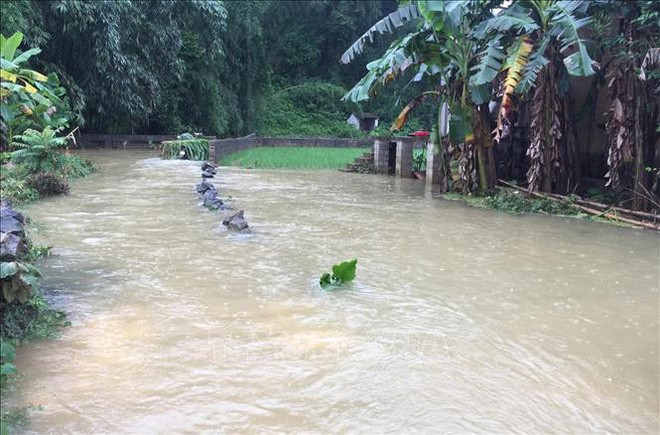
293, 158
513, 202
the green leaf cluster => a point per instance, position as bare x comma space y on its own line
197, 149
29, 98
19, 280
342, 273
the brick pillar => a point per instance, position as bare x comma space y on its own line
434, 163
381, 155
404, 153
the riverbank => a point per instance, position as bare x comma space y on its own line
26, 314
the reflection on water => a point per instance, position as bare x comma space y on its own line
460, 319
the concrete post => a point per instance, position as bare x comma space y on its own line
381, 156
404, 154
434, 167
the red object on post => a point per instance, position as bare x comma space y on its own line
420, 133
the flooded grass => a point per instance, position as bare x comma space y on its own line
293, 158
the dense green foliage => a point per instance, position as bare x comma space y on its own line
518, 203
308, 109
293, 158
29, 98
217, 67
41, 167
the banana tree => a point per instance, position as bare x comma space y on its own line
29, 98
442, 49
538, 44
632, 78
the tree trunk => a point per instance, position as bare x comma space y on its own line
551, 152
639, 198
485, 156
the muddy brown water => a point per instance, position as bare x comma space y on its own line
460, 319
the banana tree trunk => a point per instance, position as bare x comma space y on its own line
552, 161
485, 156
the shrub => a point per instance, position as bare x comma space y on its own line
38, 151
77, 167
47, 184
14, 187
517, 202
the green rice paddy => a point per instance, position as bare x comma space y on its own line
293, 158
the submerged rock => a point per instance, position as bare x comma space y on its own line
211, 200
207, 174
207, 167
204, 186
236, 222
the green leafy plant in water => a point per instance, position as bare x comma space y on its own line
419, 160
197, 149
341, 273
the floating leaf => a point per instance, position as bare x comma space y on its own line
345, 271
341, 273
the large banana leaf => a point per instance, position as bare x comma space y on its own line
489, 66
567, 25
401, 120
9, 45
395, 61
516, 60
536, 62
394, 20
460, 124
514, 17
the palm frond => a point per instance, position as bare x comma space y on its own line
392, 21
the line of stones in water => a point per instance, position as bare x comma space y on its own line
209, 195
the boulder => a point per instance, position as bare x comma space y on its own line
204, 186
9, 224
236, 222
211, 200
207, 174
207, 167
11, 246
7, 211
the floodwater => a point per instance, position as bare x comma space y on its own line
460, 319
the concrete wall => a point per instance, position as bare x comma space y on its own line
128, 141
224, 147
